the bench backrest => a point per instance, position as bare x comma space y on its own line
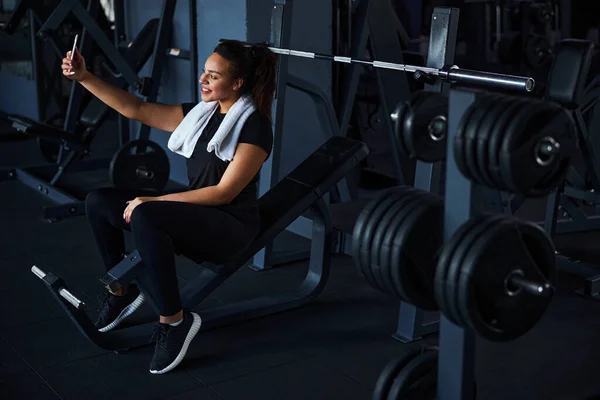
301, 188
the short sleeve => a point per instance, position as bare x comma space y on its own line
258, 131
187, 107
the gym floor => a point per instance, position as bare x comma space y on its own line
334, 348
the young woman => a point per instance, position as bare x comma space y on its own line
226, 138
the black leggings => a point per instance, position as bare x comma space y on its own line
160, 228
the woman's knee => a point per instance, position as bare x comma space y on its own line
107, 202
97, 199
143, 215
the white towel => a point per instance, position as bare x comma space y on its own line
184, 138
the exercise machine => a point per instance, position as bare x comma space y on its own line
148, 167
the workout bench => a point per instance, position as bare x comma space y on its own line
301, 190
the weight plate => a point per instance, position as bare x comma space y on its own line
495, 140
400, 268
459, 139
488, 124
537, 162
398, 119
418, 379
441, 279
538, 51
455, 265
367, 249
380, 256
132, 168
416, 245
385, 250
489, 305
517, 133
359, 229
391, 370
472, 130
425, 127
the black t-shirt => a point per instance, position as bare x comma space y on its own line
206, 169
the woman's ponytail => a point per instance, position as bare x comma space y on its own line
262, 82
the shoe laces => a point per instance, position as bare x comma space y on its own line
161, 332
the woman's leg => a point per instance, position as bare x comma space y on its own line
104, 210
208, 232
158, 229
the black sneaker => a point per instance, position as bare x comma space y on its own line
114, 309
173, 341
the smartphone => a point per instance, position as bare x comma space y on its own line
74, 46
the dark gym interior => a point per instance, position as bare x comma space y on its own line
429, 224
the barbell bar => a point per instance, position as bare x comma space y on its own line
452, 74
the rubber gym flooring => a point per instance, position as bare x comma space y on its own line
334, 348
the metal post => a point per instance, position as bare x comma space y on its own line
444, 32
456, 365
159, 57
120, 36
281, 27
194, 50
360, 40
36, 68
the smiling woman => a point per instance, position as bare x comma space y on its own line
225, 139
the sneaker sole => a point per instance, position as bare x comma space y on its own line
192, 332
127, 311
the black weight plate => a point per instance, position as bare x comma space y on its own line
518, 132
127, 164
419, 139
368, 251
385, 250
400, 267
417, 242
495, 140
398, 119
487, 306
391, 370
48, 149
418, 379
361, 222
441, 279
368, 225
538, 51
380, 260
486, 128
456, 262
531, 173
472, 130
498, 137
459, 140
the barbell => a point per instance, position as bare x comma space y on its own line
452, 74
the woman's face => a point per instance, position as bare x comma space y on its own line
216, 80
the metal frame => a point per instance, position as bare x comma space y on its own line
281, 29
412, 323
456, 364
